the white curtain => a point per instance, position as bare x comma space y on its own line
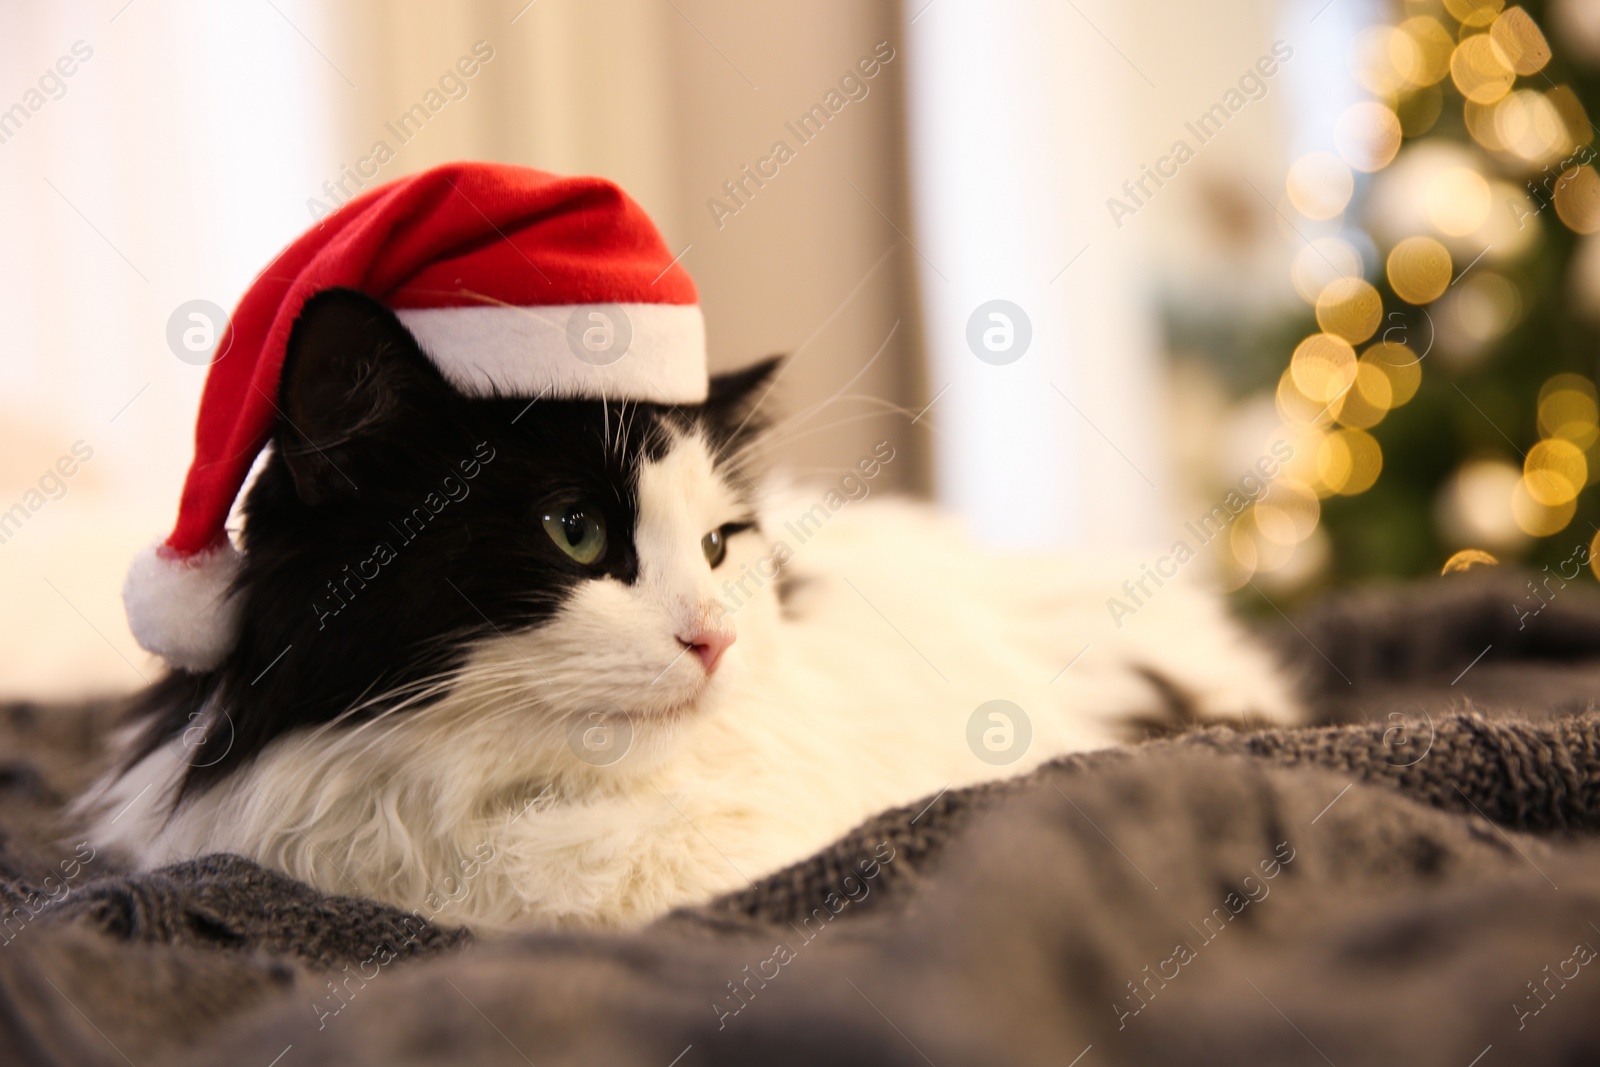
1019, 119
128, 191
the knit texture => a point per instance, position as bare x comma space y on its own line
1454, 786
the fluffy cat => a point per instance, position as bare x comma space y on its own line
558, 662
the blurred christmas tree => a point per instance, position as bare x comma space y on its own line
1444, 398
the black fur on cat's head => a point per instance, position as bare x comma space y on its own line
395, 522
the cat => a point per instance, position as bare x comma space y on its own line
559, 663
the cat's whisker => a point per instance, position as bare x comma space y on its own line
802, 435
810, 412
883, 347
751, 450
388, 711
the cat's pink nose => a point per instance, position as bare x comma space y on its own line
709, 645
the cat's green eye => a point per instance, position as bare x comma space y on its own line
715, 543
715, 547
579, 531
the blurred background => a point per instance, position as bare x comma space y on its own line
1308, 287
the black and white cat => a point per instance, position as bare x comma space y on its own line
559, 663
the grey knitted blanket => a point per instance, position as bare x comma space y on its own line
1417, 882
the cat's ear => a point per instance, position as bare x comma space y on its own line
731, 409
351, 370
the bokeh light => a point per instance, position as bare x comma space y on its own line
1572, 113
1526, 123
1555, 471
1306, 440
1319, 185
1474, 12
1287, 512
1419, 110
1367, 135
1466, 559
1323, 367
1350, 308
1457, 200
1420, 52
1384, 59
1536, 519
1518, 42
1482, 309
1568, 410
1511, 228
1419, 269
1400, 366
1349, 461
1294, 407
1479, 72
1322, 262
1472, 505
1248, 541
1577, 199
1479, 120
1365, 405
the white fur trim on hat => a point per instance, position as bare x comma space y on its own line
649, 352
179, 608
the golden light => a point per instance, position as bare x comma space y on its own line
1474, 12
1479, 119
1301, 466
1511, 226
1418, 111
1479, 72
1594, 555
1367, 135
1295, 407
1570, 108
1577, 199
1309, 559
1287, 512
1350, 308
1527, 123
1567, 383
1536, 519
1485, 306
1323, 367
1400, 366
1248, 542
1320, 263
1349, 461
1419, 270
1568, 410
1241, 546
1383, 58
1457, 200
1466, 559
1365, 405
1518, 42
1555, 471
1420, 52
1319, 185
1473, 505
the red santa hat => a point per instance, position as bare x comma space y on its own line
515, 282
